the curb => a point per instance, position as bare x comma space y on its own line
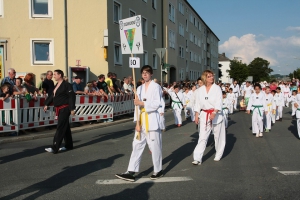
51, 133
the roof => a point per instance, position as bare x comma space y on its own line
201, 18
222, 57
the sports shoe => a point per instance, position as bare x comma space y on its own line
267, 131
217, 159
50, 150
257, 134
261, 135
127, 176
195, 162
157, 175
62, 149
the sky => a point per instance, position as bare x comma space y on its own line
269, 29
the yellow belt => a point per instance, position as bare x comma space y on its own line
144, 121
269, 104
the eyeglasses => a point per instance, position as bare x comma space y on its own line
145, 73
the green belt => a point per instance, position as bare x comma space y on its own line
298, 109
257, 108
224, 108
176, 102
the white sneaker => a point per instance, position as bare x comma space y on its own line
62, 149
50, 150
217, 159
195, 162
257, 134
261, 135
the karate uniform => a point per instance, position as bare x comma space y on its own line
292, 99
161, 110
279, 102
177, 99
152, 101
225, 106
248, 91
257, 104
236, 91
230, 98
205, 103
270, 107
286, 93
189, 108
273, 113
298, 113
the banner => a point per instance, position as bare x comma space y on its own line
1, 63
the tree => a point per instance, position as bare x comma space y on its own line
260, 70
238, 71
295, 74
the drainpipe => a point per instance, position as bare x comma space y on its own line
66, 37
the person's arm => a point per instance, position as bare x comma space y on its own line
72, 98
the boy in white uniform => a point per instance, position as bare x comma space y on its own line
187, 97
231, 101
292, 99
248, 90
225, 106
178, 103
257, 104
147, 127
273, 114
279, 101
270, 108
286, 93
296, 104
161, 111
236, 90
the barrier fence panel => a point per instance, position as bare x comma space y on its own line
8, 115
123, 104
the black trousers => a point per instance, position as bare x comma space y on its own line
63, 131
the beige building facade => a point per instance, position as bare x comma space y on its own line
41, 35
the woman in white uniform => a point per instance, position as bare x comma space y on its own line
147, 128
297, 105
257, 104
178, 103
209, 116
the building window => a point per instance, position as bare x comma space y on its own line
181, 30
117, 12
41, 8
1, 8
154, 31
181, 52
131, 13
144, 26
144, 1
171, 13
154, 61
145, 58
191, 37
186, 44
191, 18
186, 25
181, 8
172, 39
117, 54
195, 22
42, 51
154, 4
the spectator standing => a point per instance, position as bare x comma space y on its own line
10, 79
48, 84
29, 85
40, 84
76, 85
126, 86
116, 83
18, 88
102, 85
109, 83
4, 94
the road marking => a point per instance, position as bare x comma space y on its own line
143, 180
290, 173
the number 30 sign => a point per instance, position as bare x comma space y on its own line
134, 62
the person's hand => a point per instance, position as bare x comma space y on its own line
212, 116
138, 102
45, 108
266, 112
73, 112
138, 128
197, 120
161, 114
248, 111
2, 98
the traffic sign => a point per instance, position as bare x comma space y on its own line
134, 62
160, 52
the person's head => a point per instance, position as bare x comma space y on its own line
58, 75
94, 82
278, 89
19, 82
129, 79
268, 90
199, 82
49, 75
101, 77
89, 85
186, 89
43, 76
11, 73
77, 79
224, 94
230, 90
176, 88
29, 78
207, 77
5, 88
234, 82
114, 75
109, 75
273, 92
248, 84
155, 80
126, 80
257, 88
146, 72
193, 87
294, 92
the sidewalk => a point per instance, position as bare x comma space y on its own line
43, 133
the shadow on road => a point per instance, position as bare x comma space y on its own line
230, 141
139, 192
67, 176
293, 128
176, 156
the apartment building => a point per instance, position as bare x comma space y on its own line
225, 62
41, 35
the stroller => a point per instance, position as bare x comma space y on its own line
243, 106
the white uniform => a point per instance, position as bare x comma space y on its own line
189, 108
247, 91
236, 91
270, 107
205, 103
279, 102
286, 93
273, 114
298, 113
231, 99
152, 102
257, 104
161, 111
225, 105
177, 99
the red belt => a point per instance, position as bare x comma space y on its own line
208, 112
58, 108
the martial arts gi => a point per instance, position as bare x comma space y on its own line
236, 91
188, 111
247, 91
257, 104
231, 101
225, 105
177, 104
205, 104
64, 102
279, 102
161, 111
298, 113
270, 107
150, 128
286, 93
292, 99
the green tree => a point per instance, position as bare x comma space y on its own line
260, 70
295, 74
238, 71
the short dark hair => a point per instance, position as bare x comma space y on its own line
294, 91
147, 68
109, 74
223, 92
21, 80
273, 91
230, 89
176, 86
278, 88
58, 71
257, 85
101, 76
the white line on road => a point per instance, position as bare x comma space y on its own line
143, 180
290, 173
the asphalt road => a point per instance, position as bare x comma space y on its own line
250, 168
